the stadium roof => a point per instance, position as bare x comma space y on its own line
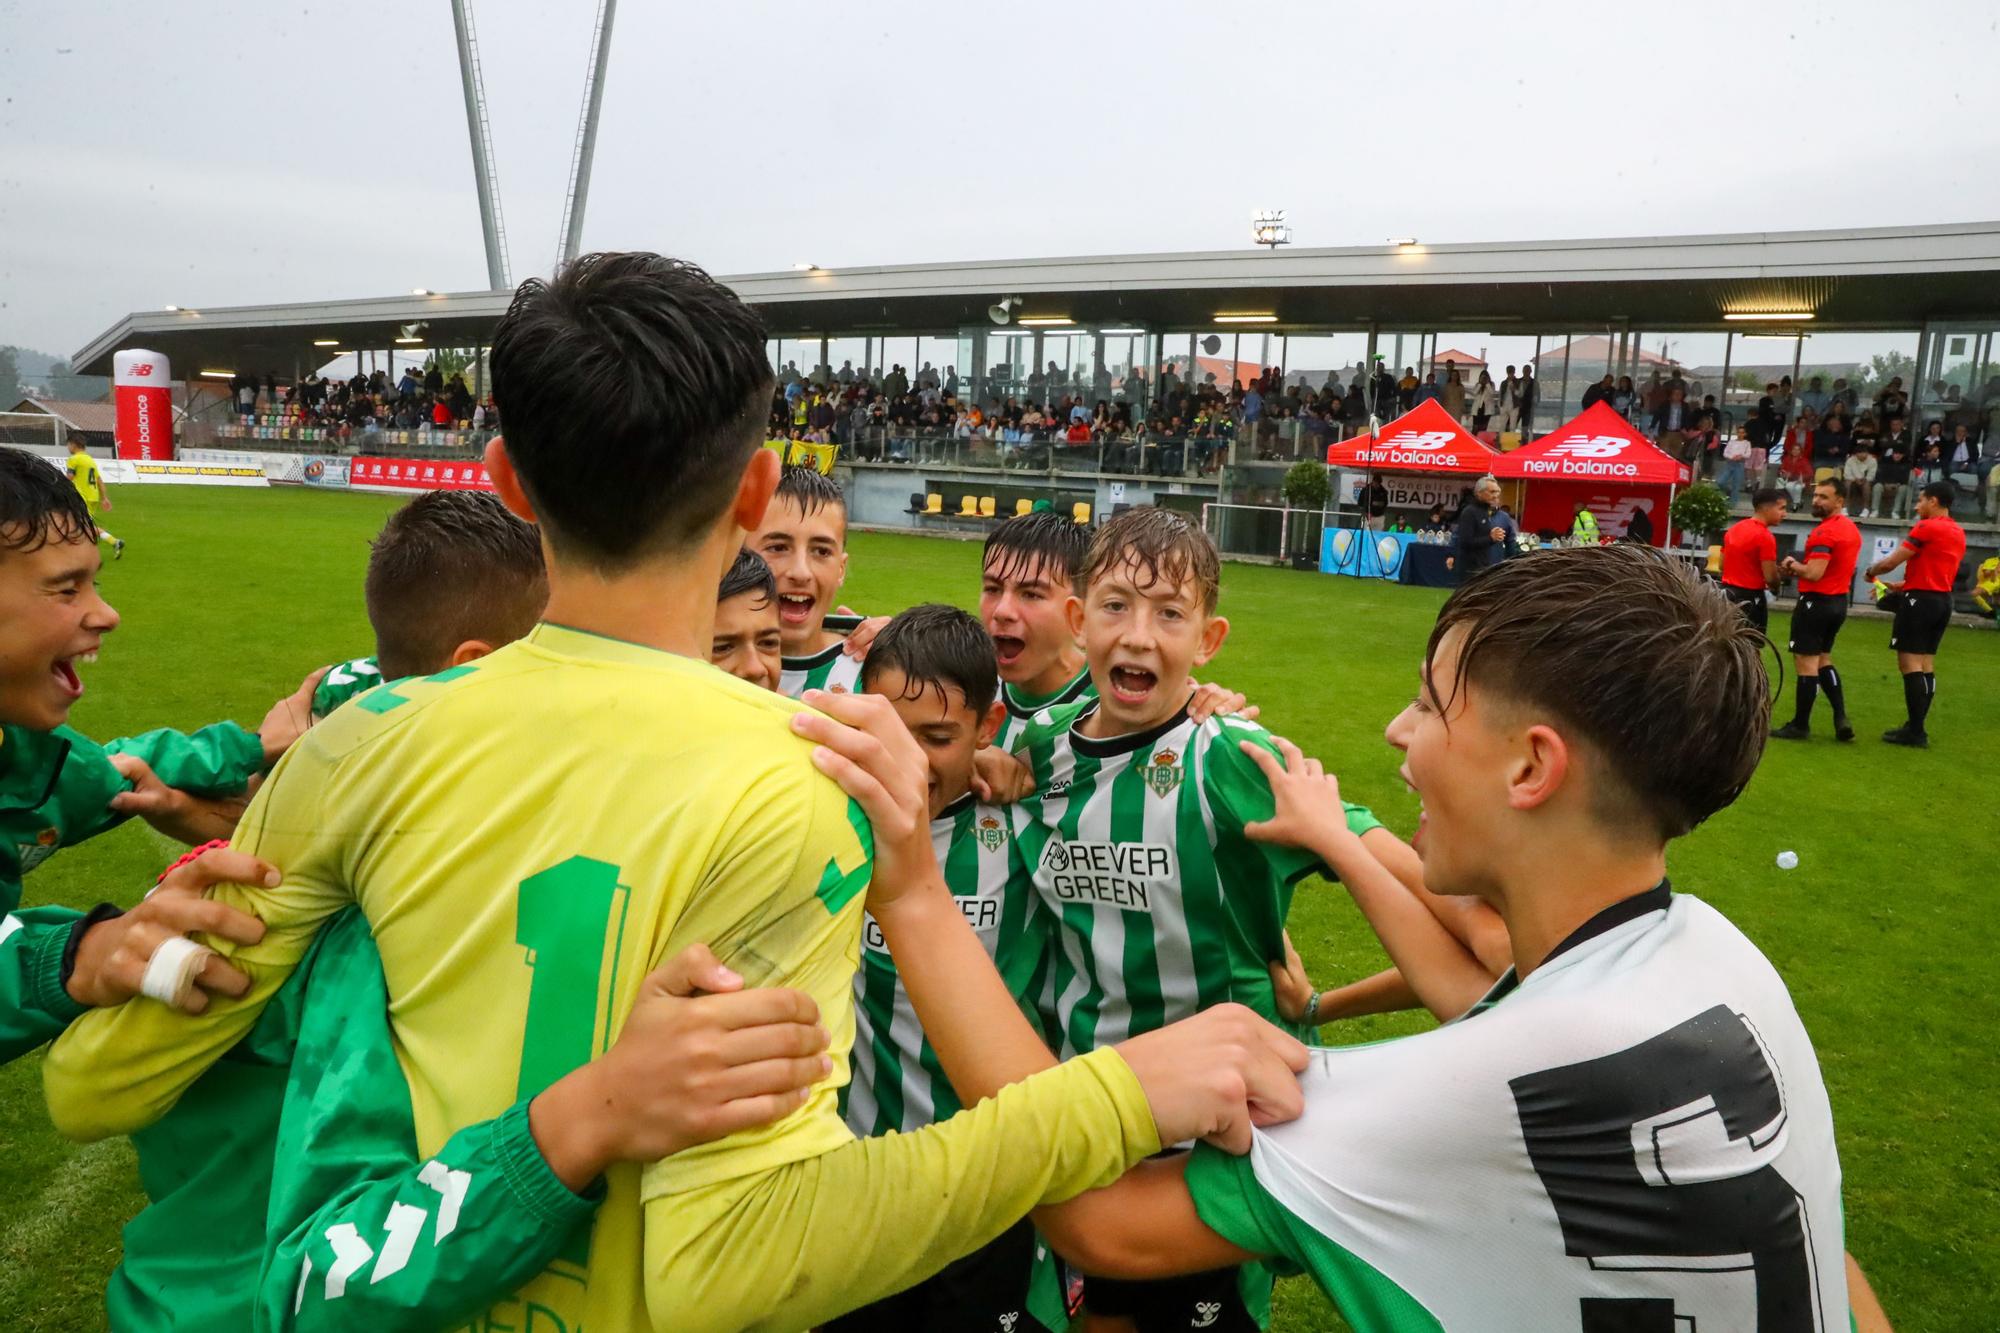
1886, 277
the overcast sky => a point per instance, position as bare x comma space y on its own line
204, 152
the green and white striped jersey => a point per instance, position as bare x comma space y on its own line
828, 669
342, 682
1161, 906
898, 1083
1023, 707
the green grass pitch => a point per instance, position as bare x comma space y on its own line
1884, 932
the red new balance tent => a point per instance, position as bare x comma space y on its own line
1423, 439
1601, 461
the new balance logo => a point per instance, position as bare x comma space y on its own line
1416, 439
1589, 446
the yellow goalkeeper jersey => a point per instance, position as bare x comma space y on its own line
528, 836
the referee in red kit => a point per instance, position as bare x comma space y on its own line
1933, 551
1750, 556
1826, 576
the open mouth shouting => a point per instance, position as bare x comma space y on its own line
1007, 649
1132, 685
795, 609
63, 670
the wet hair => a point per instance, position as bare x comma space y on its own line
748, 573
634, 389
448, 567
1040, 541
38, 505
1627, 650
1167, 546
810, 489
936, 646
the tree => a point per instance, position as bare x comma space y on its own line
76, 388
1701, 509
10, 379
1305, 485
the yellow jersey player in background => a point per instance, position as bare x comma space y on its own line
88, 478
529, 834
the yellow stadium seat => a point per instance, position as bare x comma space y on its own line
1081, 511
968, 506
1715, 559
987, 506
1023, 506
933, 503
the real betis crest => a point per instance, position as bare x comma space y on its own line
41, 849
990, 833
1164, 773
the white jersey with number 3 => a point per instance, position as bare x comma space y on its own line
1636, 1137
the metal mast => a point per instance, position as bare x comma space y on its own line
585, 147
481, 132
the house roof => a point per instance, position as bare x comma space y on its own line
97, 418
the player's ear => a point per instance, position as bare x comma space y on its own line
469, 651
506, 482
754, 491
1212, 635
1073, 609
1538, 767
989, 725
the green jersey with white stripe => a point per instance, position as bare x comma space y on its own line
1023, 707
1162, 906
898, 1083
828, 669
342, 682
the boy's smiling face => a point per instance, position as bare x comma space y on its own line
808, 557
51, 616
1143, 636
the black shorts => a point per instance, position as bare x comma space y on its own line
987, 1289
1921, 620
1211, 1300
1750, 601
1816, 623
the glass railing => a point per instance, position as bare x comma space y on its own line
1186, 456
276, 435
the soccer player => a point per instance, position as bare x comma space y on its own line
451, 577
529, 834
1026, 576
748, 641
1750, 556
935, 665
88, 478
58, 787
1826, 578
1135, 839
1933, 551
804, 540
1630, 1130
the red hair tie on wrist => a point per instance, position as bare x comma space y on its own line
190, 855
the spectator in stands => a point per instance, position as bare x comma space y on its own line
1814, 397
1430, 390
1892, 470
1890, 400
1831, 443
1452, 395
1961, 457
1625, 399
1485, 401
1599, 392
1843, 395
1989, 475
1531, 391
1508, 397
1673, 414
1795, 467
1701, 446
1737, 451
1859, 472
1406, 390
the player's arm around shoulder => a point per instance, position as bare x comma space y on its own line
119, 1069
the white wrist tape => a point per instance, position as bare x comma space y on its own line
171, 971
